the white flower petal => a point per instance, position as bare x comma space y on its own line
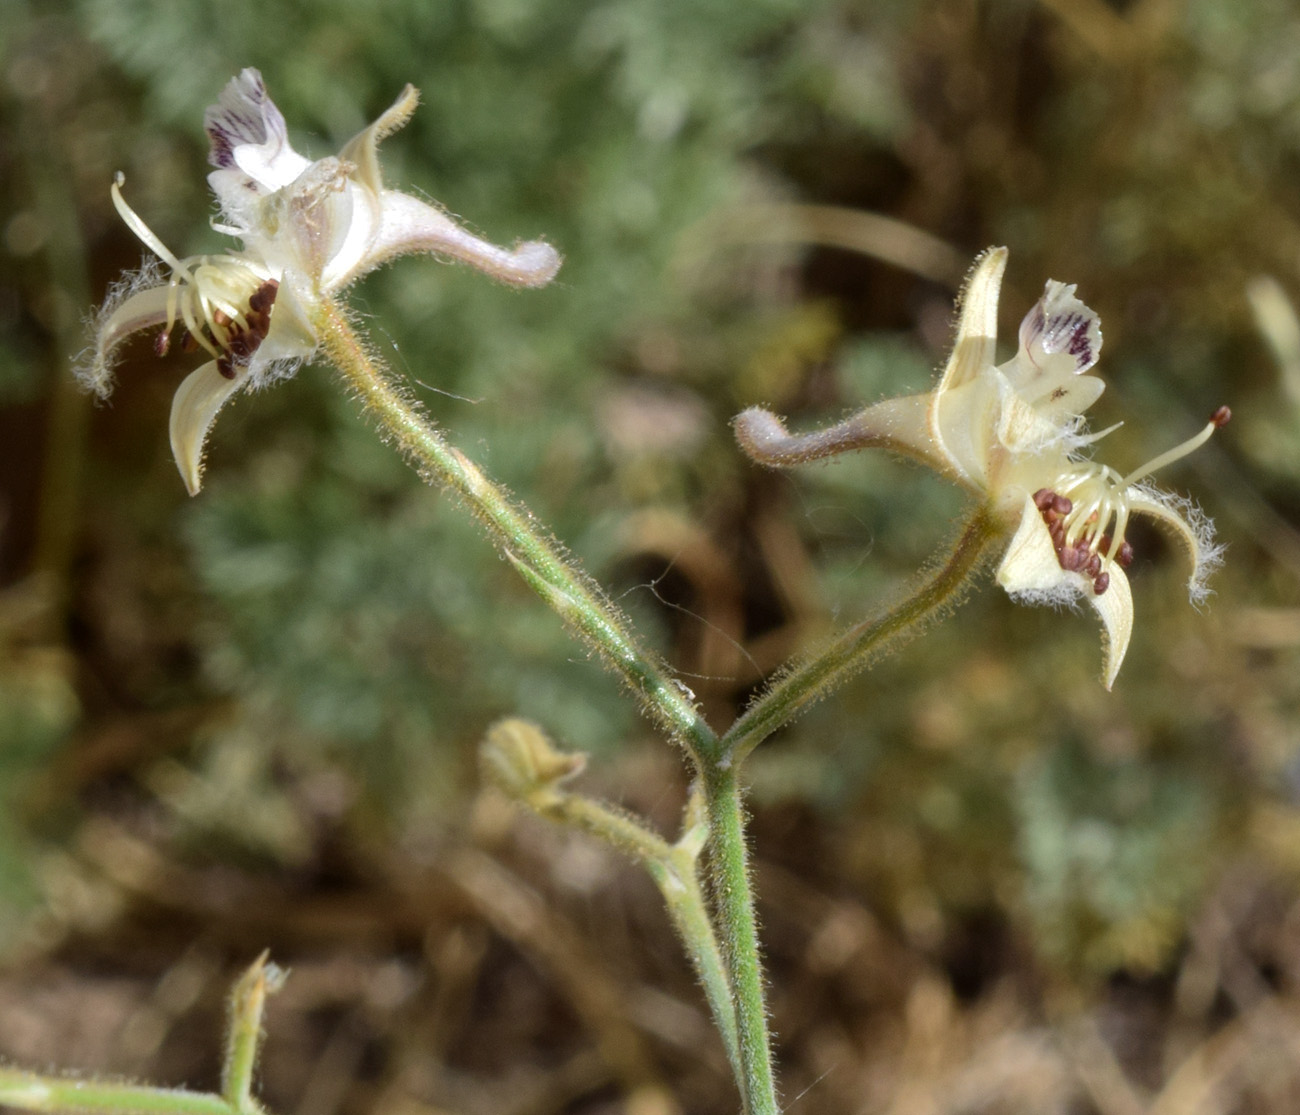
291, 336
1030, 569
350, 256
977, 325
141, 310
248, 132
1115, 607
355, 236
1060, 339
1032, 574
1061, 325
961, 415
961, 424
1190, 526
306, 225
194, 407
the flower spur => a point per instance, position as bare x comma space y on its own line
309, 230
1013, 435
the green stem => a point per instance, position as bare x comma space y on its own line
809, 681
675, 870
29, 1091
679, 882
520, 760
532, 550
247, 1001
734, 910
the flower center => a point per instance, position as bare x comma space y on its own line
1087, 510
224, 302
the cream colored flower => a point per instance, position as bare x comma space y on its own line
309, 229
1013, 435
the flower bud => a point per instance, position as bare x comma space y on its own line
518, 758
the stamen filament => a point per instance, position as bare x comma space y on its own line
1080, 506
1121, 525
142, 230
1219, 418
216, 285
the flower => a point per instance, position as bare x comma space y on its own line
309, 229
1013, 434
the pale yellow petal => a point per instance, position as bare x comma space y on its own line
977, 324
194, 408
1115, 607
117, 321
1189, 526
362, 150
1030, 569
961, 422
1021, 427
1032, 574
961, 411
1060, 339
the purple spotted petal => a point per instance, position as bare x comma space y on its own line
243, 114
250, 144
1060, 324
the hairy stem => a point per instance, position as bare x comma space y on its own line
675, 870
733, 902
29, 1091
534, 553
520, 760
785, 699
853, 650
244, 1037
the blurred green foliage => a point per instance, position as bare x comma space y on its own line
321, 610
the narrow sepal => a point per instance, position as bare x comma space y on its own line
194, 408
977, 324
362, 150
1190, 528
142, 310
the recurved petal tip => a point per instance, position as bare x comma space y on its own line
194, 408
123, 313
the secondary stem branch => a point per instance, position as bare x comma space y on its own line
531, 549
813, 678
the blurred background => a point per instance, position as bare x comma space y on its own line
249, 720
